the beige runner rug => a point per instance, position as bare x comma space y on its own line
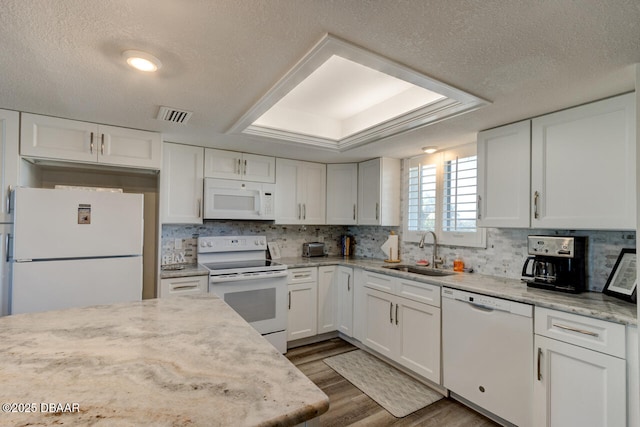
395, 391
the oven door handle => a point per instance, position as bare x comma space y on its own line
225, 279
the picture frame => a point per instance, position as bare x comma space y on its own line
622, 281
274, 250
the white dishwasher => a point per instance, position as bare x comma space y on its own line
487, 353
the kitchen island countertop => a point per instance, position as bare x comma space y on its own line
187, 360
592, 304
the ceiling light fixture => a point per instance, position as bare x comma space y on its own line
142, 61
430, 150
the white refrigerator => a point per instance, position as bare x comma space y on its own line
75, 248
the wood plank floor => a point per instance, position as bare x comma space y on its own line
350, 407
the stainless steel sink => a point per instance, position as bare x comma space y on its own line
419, 270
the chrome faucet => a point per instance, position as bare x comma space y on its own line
435, 260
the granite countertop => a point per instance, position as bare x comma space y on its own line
182, 361
592, 304
183, 270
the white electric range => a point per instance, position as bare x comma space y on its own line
255, 287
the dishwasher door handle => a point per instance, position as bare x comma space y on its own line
480, 307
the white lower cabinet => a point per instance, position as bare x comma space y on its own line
419, 338
378, 325
402, 329
190, 285
302, 303
579, 380
359, 280
633, 374
345, 292
335, 299
327, 299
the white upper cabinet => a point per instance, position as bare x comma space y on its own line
300, 192
583, 173
342, 193
181, 184
71, 140
576, 170
379, 192
233, 165
9, 160
504, 181
129, 147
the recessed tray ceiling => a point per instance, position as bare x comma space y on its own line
340, 96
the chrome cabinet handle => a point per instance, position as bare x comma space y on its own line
391, 313
304, 211
536, 196
102, 144
184, 287
199, 208
349, 283
8, 201
539, 358
377, 211
479, 207
245, 167
299, 211
354, 211
289, 300
396, 314
91, 144
580, 331
239, 167
7, 244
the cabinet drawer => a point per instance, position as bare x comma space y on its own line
420, 292
380, 282
302, 275
184, 286
599, 335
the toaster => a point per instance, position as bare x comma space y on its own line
312, 249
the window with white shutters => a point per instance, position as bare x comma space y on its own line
441, 196
460, 194
421, 212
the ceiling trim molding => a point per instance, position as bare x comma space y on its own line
456, 103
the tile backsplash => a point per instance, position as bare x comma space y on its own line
504, 256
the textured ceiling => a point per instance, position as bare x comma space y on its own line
63, 58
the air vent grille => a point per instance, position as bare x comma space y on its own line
174, 115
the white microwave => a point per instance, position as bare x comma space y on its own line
230, 199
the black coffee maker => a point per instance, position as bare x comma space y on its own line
558, 263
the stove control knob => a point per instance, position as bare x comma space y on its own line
210, 244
